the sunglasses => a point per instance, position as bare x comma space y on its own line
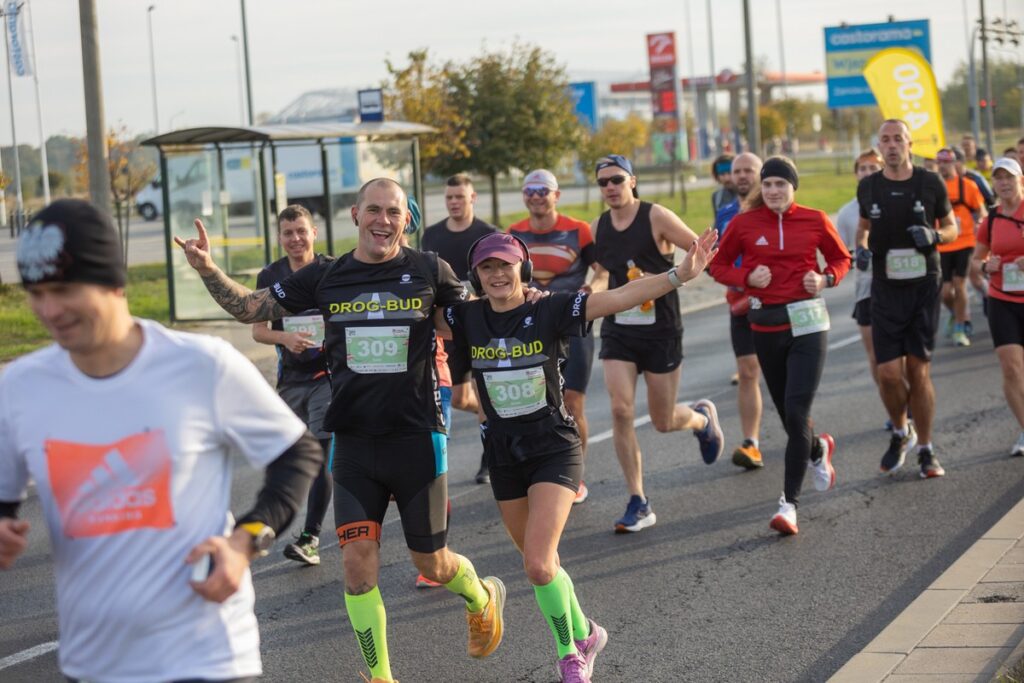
614, 180
536, 191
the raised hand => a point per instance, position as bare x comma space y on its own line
197, 251
700, 253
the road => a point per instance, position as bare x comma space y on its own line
707, 594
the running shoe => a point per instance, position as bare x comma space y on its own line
735, 379
483, 475
930, 467
306, 549
639, 515
960, 337
899, 446
581, 494
824, 473
591, 646
572, 668
487, 626
712, 443
950, 327
969, 326
1018, 448
784, 520
424, 582
747, 455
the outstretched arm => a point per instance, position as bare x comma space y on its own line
635, 292
242, 303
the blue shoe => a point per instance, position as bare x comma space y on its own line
639, 515
712, 443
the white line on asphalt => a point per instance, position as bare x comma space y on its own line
26, 655
844, 342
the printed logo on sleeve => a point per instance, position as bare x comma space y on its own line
111, 488
279, 290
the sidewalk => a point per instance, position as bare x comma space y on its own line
967, 626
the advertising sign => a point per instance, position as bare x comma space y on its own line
849, 48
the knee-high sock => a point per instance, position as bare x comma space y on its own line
366, 612
467, 584
580, 624
554, 602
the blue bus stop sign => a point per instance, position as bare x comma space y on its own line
848, 48
584, 99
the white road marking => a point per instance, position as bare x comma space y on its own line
844, 342
26, 655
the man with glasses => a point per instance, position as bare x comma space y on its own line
562, 251
637, 236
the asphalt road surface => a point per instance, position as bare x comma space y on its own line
710, 593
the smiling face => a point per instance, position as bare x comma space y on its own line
777, 193
381, 217
540, 201
296, 238
82, 318
500, 279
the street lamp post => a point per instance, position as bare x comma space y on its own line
248, 76
714, 83
152, 69
240, 79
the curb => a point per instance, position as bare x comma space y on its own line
907, 632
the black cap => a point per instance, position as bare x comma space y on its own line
71, 241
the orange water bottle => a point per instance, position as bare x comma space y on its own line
634, 273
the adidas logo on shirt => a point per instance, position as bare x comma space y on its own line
761, 241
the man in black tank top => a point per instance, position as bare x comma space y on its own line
635, 238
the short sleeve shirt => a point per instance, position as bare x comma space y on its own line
452, 246
1004, 236
379, 338
560, 256
515, 354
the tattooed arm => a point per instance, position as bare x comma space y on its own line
241, 302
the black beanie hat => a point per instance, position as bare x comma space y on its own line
777, 167
71, 241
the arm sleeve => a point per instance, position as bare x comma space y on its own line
13, 468
864, 196
453, 316
286, 484
837, 256
722, 267
297, 291
569, 310
449, 288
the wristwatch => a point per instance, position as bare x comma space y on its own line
262, 537
674, 280
830, 280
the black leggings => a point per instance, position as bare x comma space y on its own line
792, 369
320, 493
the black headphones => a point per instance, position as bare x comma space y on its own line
525, 269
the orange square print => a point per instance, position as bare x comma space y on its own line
109, 488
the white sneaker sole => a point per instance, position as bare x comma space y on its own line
642, 524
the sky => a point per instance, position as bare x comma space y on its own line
303, 45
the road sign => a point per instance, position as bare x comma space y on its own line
371, 105
848, 48
584, 99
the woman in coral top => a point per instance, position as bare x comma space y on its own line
1000, 253
779, 241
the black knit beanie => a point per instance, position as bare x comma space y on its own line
776, 167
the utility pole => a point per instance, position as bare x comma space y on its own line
152, 69
44, 166
8, 13
988, 81
714, 84
248, 77
753, 122
95, 125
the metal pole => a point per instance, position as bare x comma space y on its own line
782, 49
753, 122
972, 89
988, 81
152, 69
693, 83
19, 206
95, 125
328, 210
248, 75
714, 83
43, 165
417, 187
241, 80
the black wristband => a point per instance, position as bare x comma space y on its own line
830, 280
9, 509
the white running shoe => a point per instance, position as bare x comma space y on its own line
1018, 448
784, 520
824, 473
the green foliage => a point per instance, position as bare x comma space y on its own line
1006, 94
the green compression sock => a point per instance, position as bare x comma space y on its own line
580, 624
467, 584
553, 600
369, 621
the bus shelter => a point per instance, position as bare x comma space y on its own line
234, 179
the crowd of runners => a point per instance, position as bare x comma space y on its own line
377, 346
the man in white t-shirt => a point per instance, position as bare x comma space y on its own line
126, 429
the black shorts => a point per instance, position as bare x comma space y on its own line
862, 312
955, 263
516, 462
1005, 322
742, 336
649, 355
369, 470
458, 361
309, 401
576, 371
904, 318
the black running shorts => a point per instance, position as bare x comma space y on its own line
1005, 322
309, 401
955, 263
369, 470
518, 461
862, 312
904, 318
742, 336
649, 355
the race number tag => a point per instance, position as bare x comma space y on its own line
1013, 277
904, 264
516, 392
311, 324
808, 316
377, 350
635, 316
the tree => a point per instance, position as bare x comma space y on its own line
518, 111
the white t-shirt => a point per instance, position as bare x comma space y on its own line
846, 224
132, 472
